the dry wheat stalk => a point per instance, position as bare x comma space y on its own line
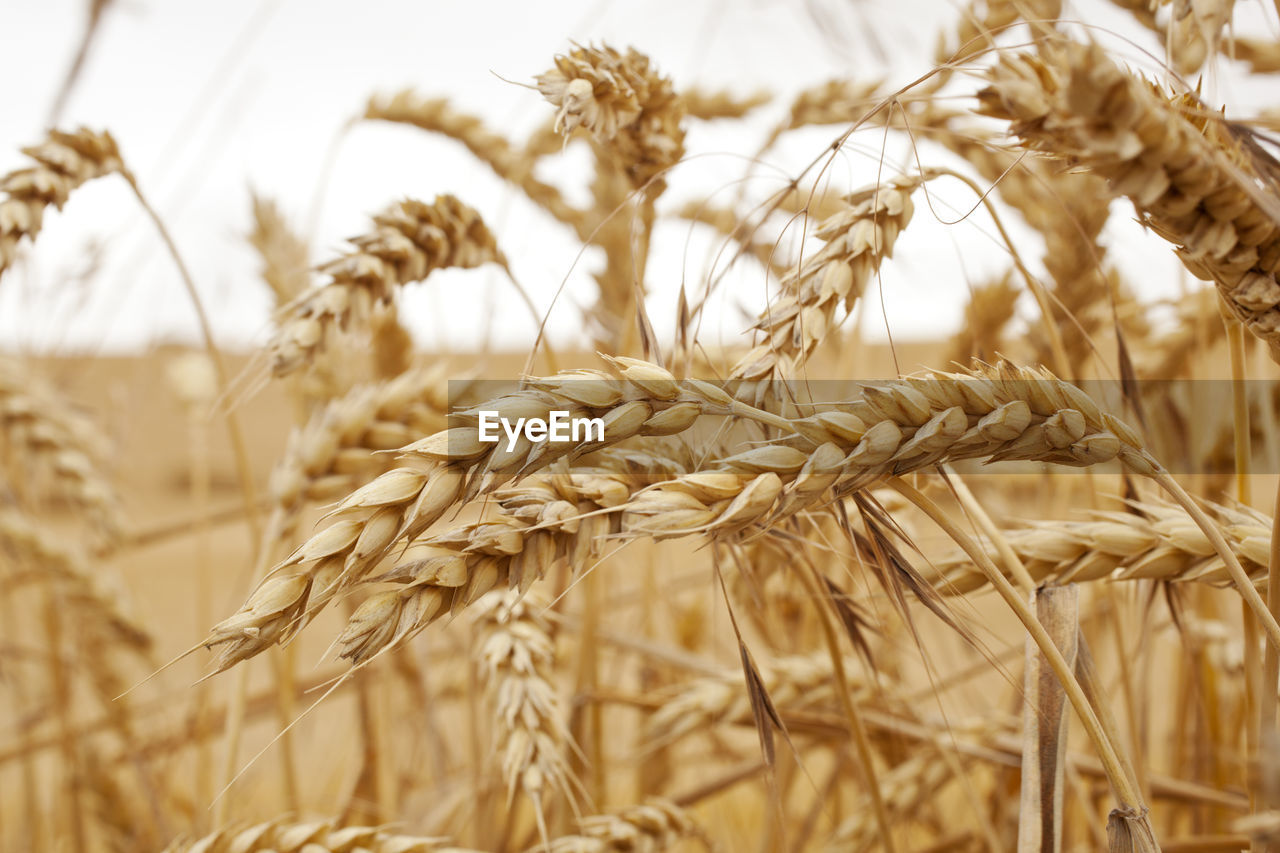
1153, 541
410, 241
651, 827
64, 161
856, 241
623, 103
517, 657
1194, 178
515, 166
49, 451
287, 836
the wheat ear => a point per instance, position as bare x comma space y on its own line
517, 656
53, 452
284, 255
1153, 541
856, 240
443, 470
410, 241
795, 683
288, 836
628, 108
437, 115
1196, 179
64, 161
652, 827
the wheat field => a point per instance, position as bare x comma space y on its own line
784, 581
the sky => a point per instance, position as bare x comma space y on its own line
210, 100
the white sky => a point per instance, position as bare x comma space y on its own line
200, 121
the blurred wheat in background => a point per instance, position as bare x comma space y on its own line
933, 508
